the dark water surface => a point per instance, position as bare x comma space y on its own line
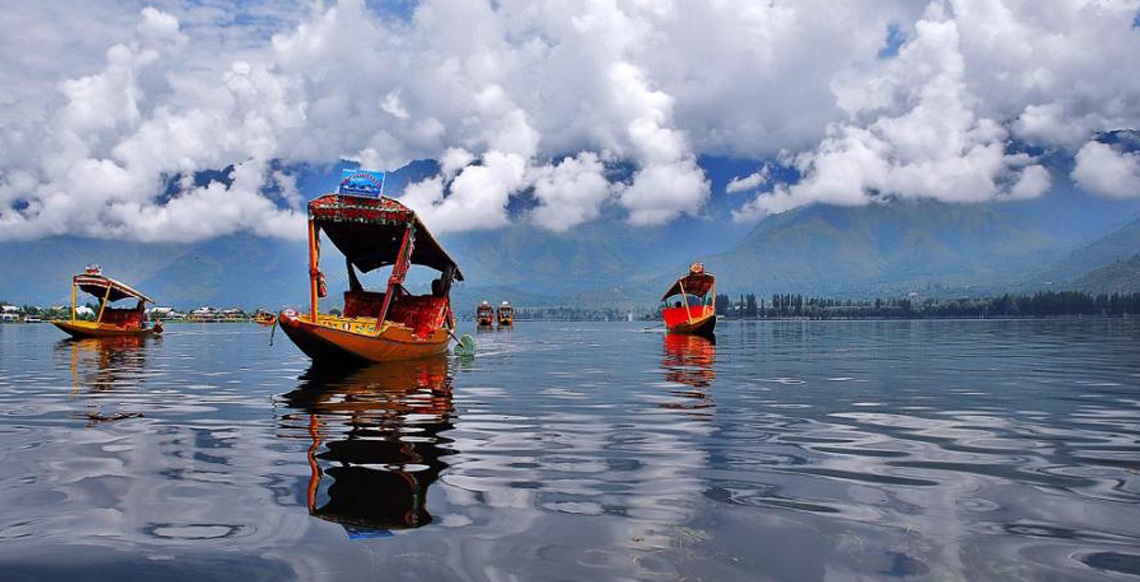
795, 451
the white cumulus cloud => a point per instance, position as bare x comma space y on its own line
916, 129
520, 98
1102, 170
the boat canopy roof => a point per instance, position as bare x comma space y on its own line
697, 284
98, 286
369, 231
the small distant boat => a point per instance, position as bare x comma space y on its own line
506, 314
265, 318
485, 314
374, 231
109, 321
697, 316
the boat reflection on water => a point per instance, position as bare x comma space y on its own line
105, 363
689, 359
376, 435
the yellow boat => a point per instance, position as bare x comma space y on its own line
374, 232
110, 321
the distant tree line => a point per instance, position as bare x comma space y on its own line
569, 314
1042, 304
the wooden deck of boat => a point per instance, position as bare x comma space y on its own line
88, 329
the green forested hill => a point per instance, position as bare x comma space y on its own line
1119, 277
1116, 246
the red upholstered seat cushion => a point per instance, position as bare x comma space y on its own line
422, 313
132, 318
363, 303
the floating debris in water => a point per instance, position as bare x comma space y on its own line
100, 417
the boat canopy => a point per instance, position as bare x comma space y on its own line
98, 285
370, 231
697, 284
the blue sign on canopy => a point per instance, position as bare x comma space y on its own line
355, 181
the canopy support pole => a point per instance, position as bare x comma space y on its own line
685, 298
399, 271
313, 272
103, 304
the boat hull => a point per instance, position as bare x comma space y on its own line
325, 344
703, 324
88, 329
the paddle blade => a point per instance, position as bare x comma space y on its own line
465, 347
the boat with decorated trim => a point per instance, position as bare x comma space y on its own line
109, 321
505, 314
695, 311
485, 314
374, 231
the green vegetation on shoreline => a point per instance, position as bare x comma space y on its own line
1041, 304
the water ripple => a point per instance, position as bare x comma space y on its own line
788, 450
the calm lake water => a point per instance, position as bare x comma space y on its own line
794, 451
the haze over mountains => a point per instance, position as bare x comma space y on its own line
886, 248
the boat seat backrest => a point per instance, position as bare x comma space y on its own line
123, 317
419, 312
363, 303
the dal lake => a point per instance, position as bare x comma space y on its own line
786, 450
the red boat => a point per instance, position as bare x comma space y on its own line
694, 311
485, 314
374, 232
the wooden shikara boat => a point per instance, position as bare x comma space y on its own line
110, 321
506, 314
485, 314
685, 316
374, 232
264, 318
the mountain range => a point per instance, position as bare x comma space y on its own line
1056, 241
1119, 277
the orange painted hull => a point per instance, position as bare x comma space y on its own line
323, 342
86, 329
